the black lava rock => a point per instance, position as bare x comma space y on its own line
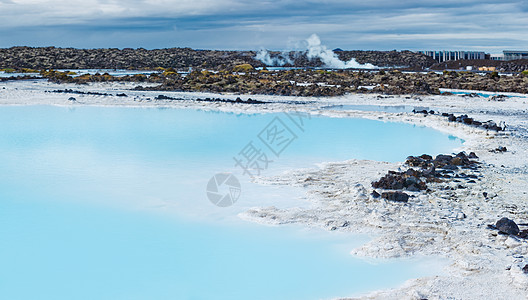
507, 226
163, 97
525, 269
501, 149
401, 180
395, 196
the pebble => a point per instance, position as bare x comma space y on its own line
460, 216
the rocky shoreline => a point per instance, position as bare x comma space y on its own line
472, 210
245, 79
465, 119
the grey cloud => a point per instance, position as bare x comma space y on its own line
279, 24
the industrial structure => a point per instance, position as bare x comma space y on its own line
497, 56
441, 56
510, 55
513, 55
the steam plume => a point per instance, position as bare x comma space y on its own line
312, 48
328, 57
265, 57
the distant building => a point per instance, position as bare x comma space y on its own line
497, 56
441, 56
510, 55
513, 55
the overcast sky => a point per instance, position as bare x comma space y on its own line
484, 25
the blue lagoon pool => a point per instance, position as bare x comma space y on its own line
111, 203
381, 108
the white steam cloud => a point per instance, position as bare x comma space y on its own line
265, 57
329, 58
313, 49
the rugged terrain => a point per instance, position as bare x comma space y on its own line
244, 79
334, 83
183, 58
502, 66
180, 58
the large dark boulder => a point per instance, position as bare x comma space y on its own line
507, 226
460, 159
423, 161
491, 125
442, 160
395, 196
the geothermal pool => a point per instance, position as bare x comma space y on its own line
111, 203
381, 108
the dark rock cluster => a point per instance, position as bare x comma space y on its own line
500, 149
159, 97
442, 161
237, 100
409, 180
489, 125
465, 119
70, 91
425, 169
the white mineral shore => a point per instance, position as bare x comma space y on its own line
448, 223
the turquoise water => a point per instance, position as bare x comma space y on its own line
383, 108
485, 95
6, 75
110, 203
113, 72
79, 72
